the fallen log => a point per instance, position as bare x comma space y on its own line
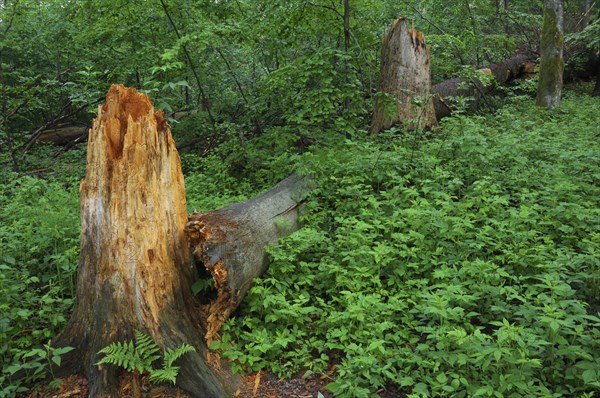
63, 135
503, 72
231, 243
68, 133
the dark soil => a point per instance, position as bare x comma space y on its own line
257, 385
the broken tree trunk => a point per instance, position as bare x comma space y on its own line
136, 267
405, 81
503, 72
135, 270
69, 134
551, 63
231, 243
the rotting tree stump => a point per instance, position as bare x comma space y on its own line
405, 81
137, 268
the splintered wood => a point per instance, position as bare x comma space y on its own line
136, 269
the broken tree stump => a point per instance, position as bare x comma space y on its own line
136, 269
405, 81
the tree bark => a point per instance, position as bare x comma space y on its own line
135, 270
551, 49
406, 78
596, 92
231, 243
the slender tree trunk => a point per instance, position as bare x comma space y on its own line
346, 25
586, 8
406, 79
596, 92
203, 99
474, 30
551, 48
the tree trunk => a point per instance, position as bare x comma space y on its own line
231, 243
551, 49
586, 8
503, 72
596, 92
136, 269
406, 78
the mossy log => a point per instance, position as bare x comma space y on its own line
136, 267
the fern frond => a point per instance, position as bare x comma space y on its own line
171, 355
140, 355
120, 354
146, 348
164, 375
131, 357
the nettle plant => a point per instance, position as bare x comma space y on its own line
467, 266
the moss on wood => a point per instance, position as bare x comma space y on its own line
552, 64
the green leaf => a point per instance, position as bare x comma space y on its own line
441, 378
63, 350
589, 376
56, 359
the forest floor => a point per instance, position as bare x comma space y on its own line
256, 385
259, 385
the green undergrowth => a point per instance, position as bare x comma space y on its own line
462, 263
39, 250
458, 262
